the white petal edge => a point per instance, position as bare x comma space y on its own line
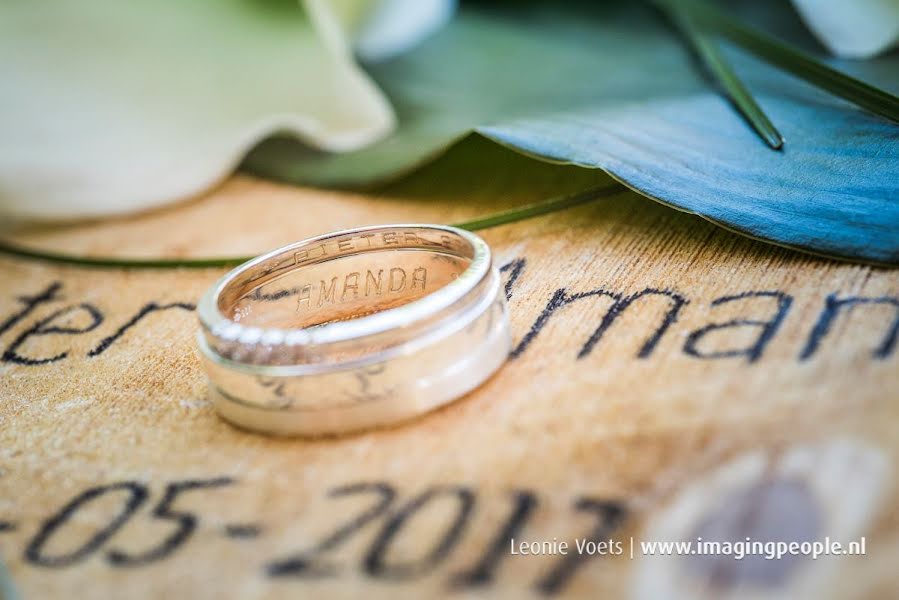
397, 25
380, 29
852, 29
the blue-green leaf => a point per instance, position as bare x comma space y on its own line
611, 86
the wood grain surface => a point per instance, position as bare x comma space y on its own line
669, 381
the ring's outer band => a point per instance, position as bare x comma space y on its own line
363, 372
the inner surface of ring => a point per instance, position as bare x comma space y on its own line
346, 277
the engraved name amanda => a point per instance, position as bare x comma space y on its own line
359, 284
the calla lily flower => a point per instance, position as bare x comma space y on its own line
109, 108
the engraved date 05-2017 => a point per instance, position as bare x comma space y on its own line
382, 507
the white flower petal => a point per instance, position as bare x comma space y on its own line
852, 29
112, 107
397, 25
381, 29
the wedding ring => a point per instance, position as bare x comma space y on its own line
353, 329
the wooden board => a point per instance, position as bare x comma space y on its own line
670, 381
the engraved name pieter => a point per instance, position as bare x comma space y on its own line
353, 243
358, 284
